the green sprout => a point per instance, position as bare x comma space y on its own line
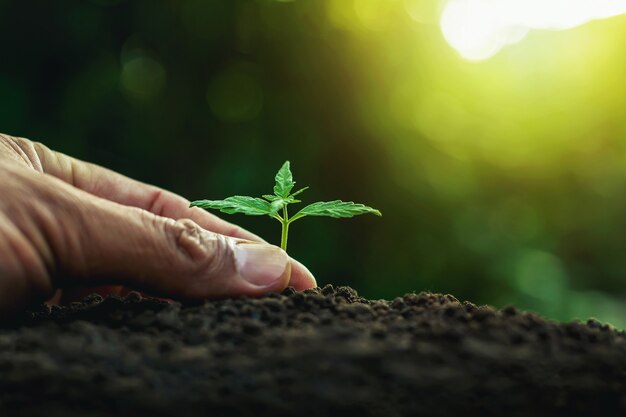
273, 204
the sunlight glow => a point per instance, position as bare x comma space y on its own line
479, 29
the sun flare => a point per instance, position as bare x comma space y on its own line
479, 29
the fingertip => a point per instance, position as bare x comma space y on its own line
301, 277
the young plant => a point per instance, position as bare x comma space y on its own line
274, 204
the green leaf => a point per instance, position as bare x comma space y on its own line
237, 204
337, 209
284, 181
270, 197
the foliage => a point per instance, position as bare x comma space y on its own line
271, 205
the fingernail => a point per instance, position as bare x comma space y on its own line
260, 264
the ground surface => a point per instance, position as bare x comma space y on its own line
323, 352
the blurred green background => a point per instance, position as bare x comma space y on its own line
501, 181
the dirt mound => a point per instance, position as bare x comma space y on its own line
318, 353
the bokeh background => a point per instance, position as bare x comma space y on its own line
501, 181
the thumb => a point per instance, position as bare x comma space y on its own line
92, 240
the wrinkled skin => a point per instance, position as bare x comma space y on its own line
68, 226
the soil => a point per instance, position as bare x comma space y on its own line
319, 353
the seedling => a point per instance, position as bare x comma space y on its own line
273, 204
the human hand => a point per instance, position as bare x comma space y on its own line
68, 224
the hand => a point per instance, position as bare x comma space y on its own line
67, 224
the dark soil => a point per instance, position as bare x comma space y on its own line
323, 352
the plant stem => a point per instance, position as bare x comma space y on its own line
285, 232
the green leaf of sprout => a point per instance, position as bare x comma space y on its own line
336, 209
250, 206
284, 181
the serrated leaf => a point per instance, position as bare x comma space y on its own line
250, 206
284, 181
336, 209
270, 197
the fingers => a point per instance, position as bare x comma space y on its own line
73, 239
112, 186
115, 187
174, 257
